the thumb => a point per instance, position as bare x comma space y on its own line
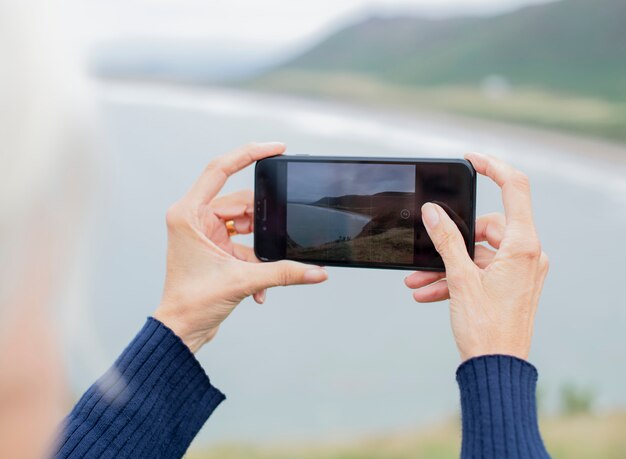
284, 272
446, 237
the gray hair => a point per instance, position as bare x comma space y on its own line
46, 142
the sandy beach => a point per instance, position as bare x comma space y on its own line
459, 125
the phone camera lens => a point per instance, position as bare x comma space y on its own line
405, 214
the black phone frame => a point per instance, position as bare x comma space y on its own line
263, 207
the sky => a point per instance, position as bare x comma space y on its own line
250, 23
309, 182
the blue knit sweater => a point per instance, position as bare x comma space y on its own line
156, 397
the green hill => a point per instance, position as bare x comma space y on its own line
560, 64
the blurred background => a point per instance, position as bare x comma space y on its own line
353, 368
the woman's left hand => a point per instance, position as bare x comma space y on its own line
208, 274
493, 298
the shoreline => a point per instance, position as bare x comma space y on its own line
580, 146
560, 158
333, 209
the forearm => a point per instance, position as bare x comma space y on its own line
499, 408
156, 397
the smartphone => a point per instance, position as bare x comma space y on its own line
358, 212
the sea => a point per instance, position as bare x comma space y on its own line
310, 225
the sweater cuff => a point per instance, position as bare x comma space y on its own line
498, 406
156, 397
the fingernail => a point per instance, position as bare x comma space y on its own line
262, 296
430, 216
315, 275
272, 144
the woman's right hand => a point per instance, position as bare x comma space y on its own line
208, 274
493, 299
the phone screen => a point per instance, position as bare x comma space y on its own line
351, 212
362, 212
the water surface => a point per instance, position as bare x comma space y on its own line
310, 226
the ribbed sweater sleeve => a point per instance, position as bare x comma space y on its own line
499, 413
151, 403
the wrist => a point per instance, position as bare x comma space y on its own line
520, 352
180, 327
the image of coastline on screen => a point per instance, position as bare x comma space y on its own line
350, 212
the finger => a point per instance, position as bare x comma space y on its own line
422, 278
433, 292
243, 225
259, 297
514, 185
217, 172
447, 240
490, 228
238, 207
483, 256
281, 273
245, 253
230, 206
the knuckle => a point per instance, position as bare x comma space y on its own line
520, 180
443, 241
459, 274
529, 248
216, 169
213, 165
175, 215
283, 277
544, 262
280, 276
490, 170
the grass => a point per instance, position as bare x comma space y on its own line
388, 247
596, 117
584, 436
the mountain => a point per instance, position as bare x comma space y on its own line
576, 46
